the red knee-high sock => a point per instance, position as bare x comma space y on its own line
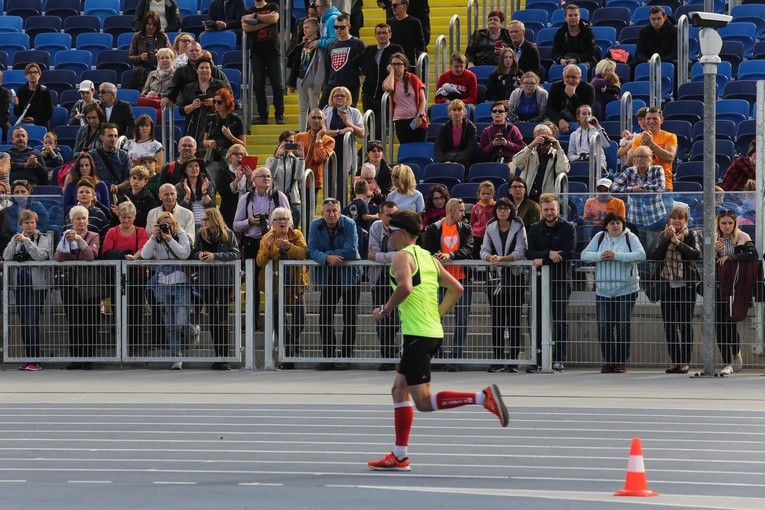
450, 399
403, 416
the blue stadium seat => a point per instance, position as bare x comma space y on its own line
630, 5
698, 5
232, 60
145, 110
439, 113
733, 53
724, 74
73, 60
641, 16
616, 17
545, 36
102, 8
116, 25
68, 98
758, 52
667, 77
638, 89
724, 130
36, 132
467, 191
59, 80
684, 132
687, 186
420, 153
128, 7
498, 173
35, 25
741, 89
526, 129
482, 73
63, 8
193, 24
126, 77
187, 7
557, 18
76, 25
13, 42
22, 58
752, 13
3, 60
116, 60
424, 187
534, 16
219, 42
691, 90
743, 31
605, 38
124, 39
129, 95
613, 110
751, 70
548, 5
692, 111
53, 43
736, 110
235, 79
745, 133
447, 174
482, 113
23, 8
725, 152
630, 34
11, 24
66, 134
94, 43
99, 76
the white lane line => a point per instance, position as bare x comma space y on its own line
261, 484
653, 481
13, 481
90, 481
159, 482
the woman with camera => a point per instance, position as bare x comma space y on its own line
196, 100
342, 118
505, 241
195, 192
170, 285
31, 285
79, 286
287, 166
283, 242
224, 129
89, 136
216, 242
142, 53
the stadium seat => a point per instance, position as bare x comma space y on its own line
590, 5
667, 77
126, 77
193, 24
698, 5
630, 34
691, 90
534, 16
433, 129
687, 186
482, 73
59, 80
53, 43
641, 15
758, 52
14, 42
482, 113
741, 89
725, 152
745, 133
439, 113
235, 79
68, 98
22, 58
102, 8
116, 25
466, 191
3, 60
424, 187
94, 43
232, 59
219, 42
35, 25
638, 89
616, 17
526, 129
743, 31
128, 7
124, 40
63, 8
73, 60
724, 130
548, 5
66, 134
145, 110
99, 76
129, 95
724, 74
60, 117
630, 5
116, 60
692, 111
545, 37
605, 38
36, 132
76, 25
684, 132
672, 4
187, 7
420, 153
23, 8
613, 110
498, 173
733, 53
752, 70
11, 24
447, 174
736, 110
751, 13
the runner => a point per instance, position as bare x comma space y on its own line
415, 278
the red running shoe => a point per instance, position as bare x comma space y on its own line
495, 404
389, 463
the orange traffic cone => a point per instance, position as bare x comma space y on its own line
636, 483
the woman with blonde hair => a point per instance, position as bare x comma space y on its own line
283, 242
607, 85
159, 82
234, 181
170, 285
342, 118
405, 194
216, 242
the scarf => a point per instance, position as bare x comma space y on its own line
674, 267
164, 73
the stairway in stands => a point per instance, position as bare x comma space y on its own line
262, 139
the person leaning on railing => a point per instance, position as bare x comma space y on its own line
216, 242
31, 284
283, 242
81, 302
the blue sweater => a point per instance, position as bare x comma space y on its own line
617, 277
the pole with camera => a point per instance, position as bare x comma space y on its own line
711, 44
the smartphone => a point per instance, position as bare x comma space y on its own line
291, 146
250, 161
498, 45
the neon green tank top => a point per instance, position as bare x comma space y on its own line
419, 311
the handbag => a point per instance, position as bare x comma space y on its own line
656, 291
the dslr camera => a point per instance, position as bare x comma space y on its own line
264, 225
22, 256
164, 228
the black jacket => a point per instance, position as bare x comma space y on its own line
432, 239
231, 12
122, 115
529, 59
563, 45
663, 42
445, 151
374, 75
560, 237
556, 100
41, 108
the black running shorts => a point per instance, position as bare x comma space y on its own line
415, 360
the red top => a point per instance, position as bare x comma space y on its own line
114, 240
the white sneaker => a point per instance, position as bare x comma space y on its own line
177, 366
727, 370
738, 362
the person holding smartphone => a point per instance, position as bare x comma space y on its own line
287, 166
142, 54
500, 141
341, 118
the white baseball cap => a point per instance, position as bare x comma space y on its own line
605, 182
86, 85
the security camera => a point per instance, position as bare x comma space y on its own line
709, 19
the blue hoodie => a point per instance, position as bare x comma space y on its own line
328, 33
617, 277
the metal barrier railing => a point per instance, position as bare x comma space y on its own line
455, 37
472, 17
423, 71
386, 126
683, 44
625, 117
368, 121
285, 32
654, 80
330, 176
307, 198
441, 58
596, 153
167, 129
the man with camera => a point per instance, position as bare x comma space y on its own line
541, 161
579, 143
252, 213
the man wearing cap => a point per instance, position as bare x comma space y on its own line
87, 96
113, 163
332, 240
597, 207
415, 278
27, 164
